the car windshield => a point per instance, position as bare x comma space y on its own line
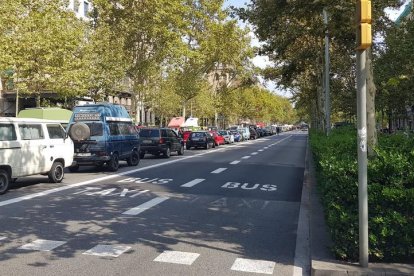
223, 132
149, 133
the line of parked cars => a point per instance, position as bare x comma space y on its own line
98, 134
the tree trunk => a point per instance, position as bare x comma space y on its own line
184, 108
371, 120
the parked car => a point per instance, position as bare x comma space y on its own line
103, 133
245, 132
228, 136
158, 141
200, 139
218, 139
253, 134
186, 134
237, 136
33, 146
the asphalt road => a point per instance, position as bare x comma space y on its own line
232, 210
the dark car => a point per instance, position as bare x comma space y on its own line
103, 133
158, 141
200, 139
253, 133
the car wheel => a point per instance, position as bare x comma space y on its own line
74, 168
141, 154
167, 152
181, 150
56, 173
4, 181
113, 164
133, 159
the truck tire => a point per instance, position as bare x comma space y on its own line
133, 159
56, 173
4, 181
113, 164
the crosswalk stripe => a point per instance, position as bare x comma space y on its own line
177, 257
107, 250
254, 266
42, 245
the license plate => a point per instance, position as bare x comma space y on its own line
83, 154
147, 141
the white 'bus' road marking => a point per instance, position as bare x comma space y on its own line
254, 266
192, 183
219, 170
235, 162
145, 206
177, 257
246, 157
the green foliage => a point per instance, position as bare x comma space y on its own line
390, 194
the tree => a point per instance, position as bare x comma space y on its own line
44, 56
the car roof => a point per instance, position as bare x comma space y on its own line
27, 120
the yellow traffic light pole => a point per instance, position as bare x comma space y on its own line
364, 41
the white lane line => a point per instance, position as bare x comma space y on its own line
192, 183
254, 266
219, 170
107, 250
177, 257
42, 245
3, 238
254, 153
235, 162
246, 157
145, 206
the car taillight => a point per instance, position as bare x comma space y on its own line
162, 141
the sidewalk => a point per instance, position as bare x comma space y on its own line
323, 262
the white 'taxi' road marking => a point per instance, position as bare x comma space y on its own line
246, 157
177, 257
139, 193
219, 170
254, 266
254, 153
145, 206
235, 162
192, 183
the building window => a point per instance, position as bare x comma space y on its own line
85, 8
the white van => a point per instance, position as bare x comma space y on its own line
33, 146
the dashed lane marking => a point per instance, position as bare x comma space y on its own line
254, 153
177, 257
260, 150
145, 206
235, 162
3, 238
193, 183
254, 266
42, 245
107, 250
246, 157
219, 170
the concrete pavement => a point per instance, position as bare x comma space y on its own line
323, 262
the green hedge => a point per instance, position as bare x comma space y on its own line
390, 194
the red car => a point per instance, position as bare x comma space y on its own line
186, 134
218, 139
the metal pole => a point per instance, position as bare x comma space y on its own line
362, 158
327, 91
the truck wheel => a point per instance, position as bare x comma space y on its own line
4, 181
56, 173
113, 164
133, 159
181, 150
167, 152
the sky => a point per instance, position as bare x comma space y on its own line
263, 61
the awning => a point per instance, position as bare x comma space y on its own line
191, 122
176, 122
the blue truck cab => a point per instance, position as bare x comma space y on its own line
103, 134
